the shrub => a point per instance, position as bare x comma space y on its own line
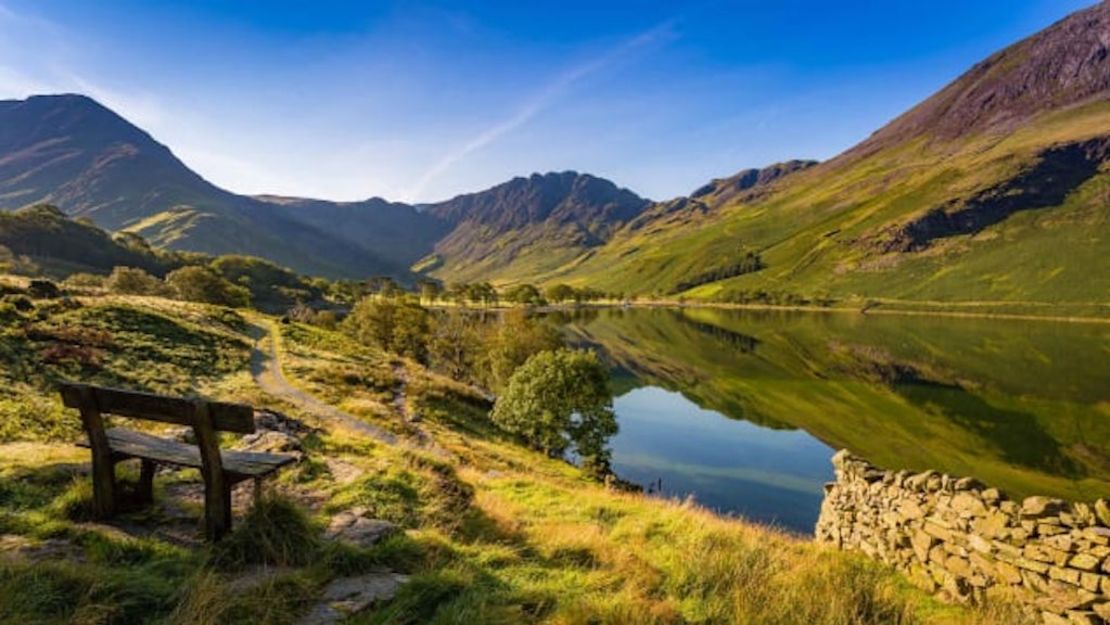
200, 284
134, 281
84, 281
399, 327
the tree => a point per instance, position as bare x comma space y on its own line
134, 281
481, 293
560, 293
525, 294
455, 345
401, 327
558, 399
430, 291
511, 343
200, 284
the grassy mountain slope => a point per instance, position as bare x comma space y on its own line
74, 153
994, 189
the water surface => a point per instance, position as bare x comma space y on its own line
742, 410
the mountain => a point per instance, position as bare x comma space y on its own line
528, 225
993, 190
71, 152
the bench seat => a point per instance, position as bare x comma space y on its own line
242, 465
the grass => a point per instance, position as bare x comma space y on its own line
493, 532
813, 232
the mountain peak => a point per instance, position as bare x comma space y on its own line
1064, 65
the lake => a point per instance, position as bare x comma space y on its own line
742, 410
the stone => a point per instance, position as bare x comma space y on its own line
992, 495
1007, 572
1083, 562
1098, 535
271, 442
978, 543
1103, 610
353, 527
1102, 511
1069, 576
966, 503
1090, 581
347, 596
922, 543
1054, 619
1037, 507
1083, 618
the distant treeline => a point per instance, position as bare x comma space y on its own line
749, 263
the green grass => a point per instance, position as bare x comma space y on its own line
813, 232
493, 532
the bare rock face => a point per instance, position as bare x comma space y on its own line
346, 596
1068, 63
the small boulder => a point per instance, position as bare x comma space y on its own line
353, 527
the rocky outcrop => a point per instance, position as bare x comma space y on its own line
960, 539
1056, 172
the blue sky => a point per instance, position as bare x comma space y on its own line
419, 101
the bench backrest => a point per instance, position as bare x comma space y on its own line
205, 417
224, 417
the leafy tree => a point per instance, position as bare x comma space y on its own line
201, 284
134, 281
430, 291
526, 294
511, 343
455, 346
383, 285
401, 327
560, 293
558, 399
481, 293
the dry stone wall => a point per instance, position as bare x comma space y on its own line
961, 540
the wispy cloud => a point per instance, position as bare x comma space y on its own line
542, 100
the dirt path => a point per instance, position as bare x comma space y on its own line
267, 374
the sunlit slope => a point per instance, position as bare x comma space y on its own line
841, 228
993, 189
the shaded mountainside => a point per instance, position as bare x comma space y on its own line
50, 238
72, 152
994, 190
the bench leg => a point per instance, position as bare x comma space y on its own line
104, 486
217, 511
257, 490
144, 491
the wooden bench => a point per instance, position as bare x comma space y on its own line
221, 469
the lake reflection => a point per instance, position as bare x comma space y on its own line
743, 409
765, 475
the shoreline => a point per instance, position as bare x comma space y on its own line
874, 310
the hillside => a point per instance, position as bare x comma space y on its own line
61, 245
483, 529
992, 190
72, 152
